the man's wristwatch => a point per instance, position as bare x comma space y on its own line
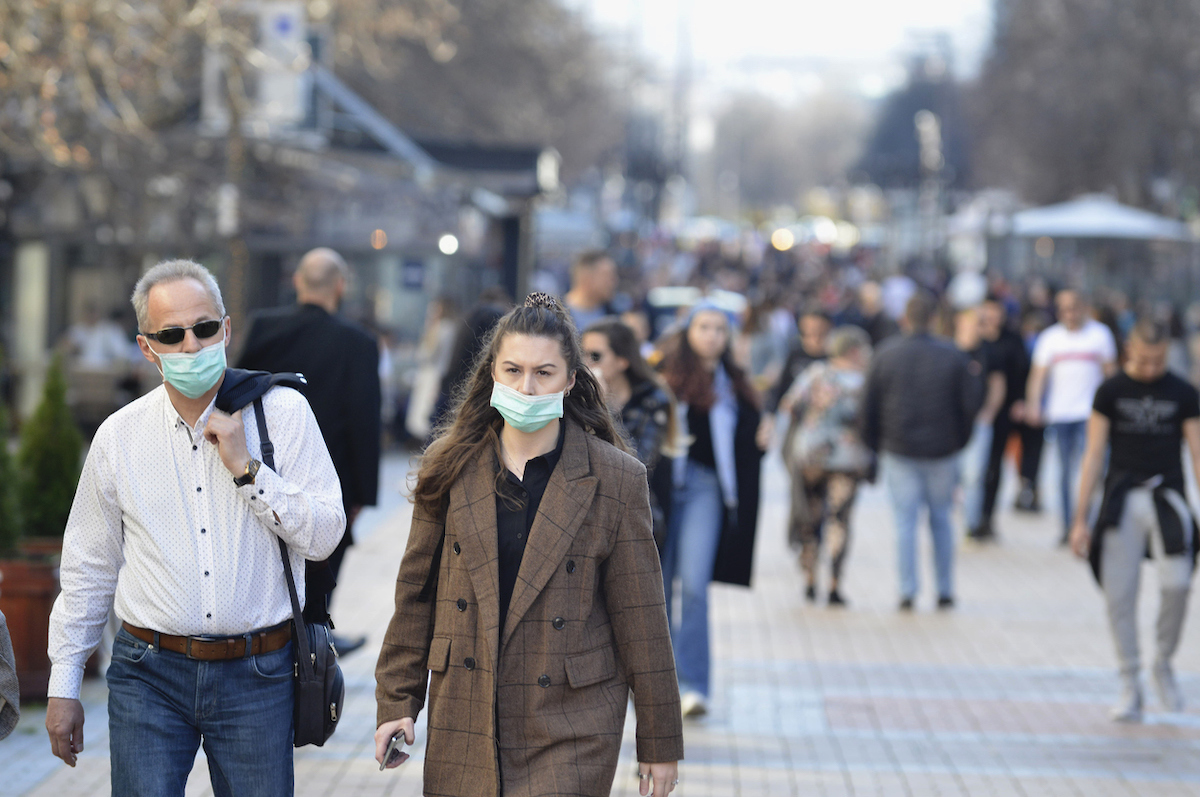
248, 477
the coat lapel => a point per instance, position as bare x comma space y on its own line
564, 505
473, 517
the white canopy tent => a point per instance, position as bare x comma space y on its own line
1097, 216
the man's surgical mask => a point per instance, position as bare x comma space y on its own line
526, 413
193, 373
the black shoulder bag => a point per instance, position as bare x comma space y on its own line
320, 687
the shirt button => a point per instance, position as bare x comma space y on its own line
206, 572
469, 663
570, 565
204, 531
260, 492
198, 489
462, 605
195, 447
559, 623
457, 548
209, 615
254, 498
544, 682
520, 535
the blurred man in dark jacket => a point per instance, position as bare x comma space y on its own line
918, 411
1007, 350
341, 362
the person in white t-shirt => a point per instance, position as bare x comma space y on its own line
1070, 360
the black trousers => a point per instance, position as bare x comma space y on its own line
1001, 429
321, 577
1032, 440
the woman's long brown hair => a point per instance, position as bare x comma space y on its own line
473, 425
691, 382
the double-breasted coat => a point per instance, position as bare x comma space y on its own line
540, 709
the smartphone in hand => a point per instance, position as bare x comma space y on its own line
393, 752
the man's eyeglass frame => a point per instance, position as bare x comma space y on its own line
172, 335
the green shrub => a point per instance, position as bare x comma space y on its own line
48, 462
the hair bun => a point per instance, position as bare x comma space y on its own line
543, 300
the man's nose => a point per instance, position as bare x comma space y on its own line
191, 343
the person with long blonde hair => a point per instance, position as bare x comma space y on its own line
529, 600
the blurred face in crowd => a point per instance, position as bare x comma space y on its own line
991, 320
966, 329
708, 335
1145, 362
599, 356
814, 333
1070, 309
601, 280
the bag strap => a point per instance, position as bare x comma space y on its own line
300, 631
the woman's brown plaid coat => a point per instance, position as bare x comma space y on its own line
541, 710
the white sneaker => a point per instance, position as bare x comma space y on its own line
1169, 696
693, 704
1129, 707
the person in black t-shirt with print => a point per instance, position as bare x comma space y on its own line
1141, 416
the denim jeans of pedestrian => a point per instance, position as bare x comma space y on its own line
697, 514
913, 484
162, 706
1069, 439
973, 463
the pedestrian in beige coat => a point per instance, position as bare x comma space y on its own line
530, 596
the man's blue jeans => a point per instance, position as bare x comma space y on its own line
697, 514
973, 462
1069, 439
913, 483
163, 705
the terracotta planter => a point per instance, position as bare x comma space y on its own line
27, 593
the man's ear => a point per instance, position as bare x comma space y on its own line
146, 351
228, 331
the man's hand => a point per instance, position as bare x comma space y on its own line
1081, 538
228, 434
1017, 412
64, 723
765, 432
662, 777
384, 734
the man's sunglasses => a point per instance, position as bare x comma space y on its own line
172, 335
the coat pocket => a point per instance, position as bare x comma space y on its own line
590, 668
439, 654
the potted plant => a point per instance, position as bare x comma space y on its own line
33, 517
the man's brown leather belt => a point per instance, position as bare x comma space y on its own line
218, 648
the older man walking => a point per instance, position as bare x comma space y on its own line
175, 524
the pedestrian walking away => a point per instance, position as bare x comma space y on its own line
1140, 418
1070, 360
529, 601
973, 461
175, 524
918, 411
827, 458
715, 504
340, 360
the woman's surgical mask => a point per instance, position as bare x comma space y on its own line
526, 413
193, 373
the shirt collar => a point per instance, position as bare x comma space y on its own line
550, 457
174, 420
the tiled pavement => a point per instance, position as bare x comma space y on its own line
1005, 695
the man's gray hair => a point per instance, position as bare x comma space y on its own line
170, 271
846, 339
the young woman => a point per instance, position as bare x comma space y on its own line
715, 504
530, 595
641, 404
826, 455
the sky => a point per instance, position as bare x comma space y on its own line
793, 47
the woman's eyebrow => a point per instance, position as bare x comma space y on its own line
536, 367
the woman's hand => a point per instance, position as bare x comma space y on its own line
662, 777
384, 734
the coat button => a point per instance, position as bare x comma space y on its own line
559, 623
469, 663
570, 565
544, 681
462, 605
457, 548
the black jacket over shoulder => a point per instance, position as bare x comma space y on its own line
920, 399
340, 360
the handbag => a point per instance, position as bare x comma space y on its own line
320, 688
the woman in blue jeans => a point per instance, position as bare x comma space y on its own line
715, 503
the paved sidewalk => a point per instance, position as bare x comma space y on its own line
1006, 695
